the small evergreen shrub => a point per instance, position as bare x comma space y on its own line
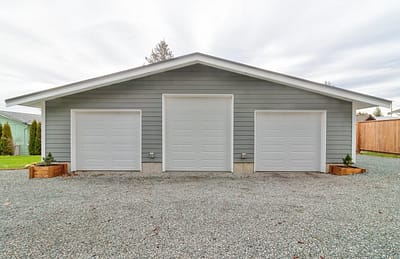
347, 160
48, 159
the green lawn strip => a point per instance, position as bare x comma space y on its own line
15, 162
369, 153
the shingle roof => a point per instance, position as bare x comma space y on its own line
21, 117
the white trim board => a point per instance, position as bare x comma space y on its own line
323, 133
73, 131
353, 131
163, 115
361, 100
43, 129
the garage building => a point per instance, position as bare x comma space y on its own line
198, 113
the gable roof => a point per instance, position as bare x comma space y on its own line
25, 118
35, 99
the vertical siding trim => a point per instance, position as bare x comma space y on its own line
323, 141
353, 131
72, 138
233, 133
43, 130
163, 132
255, 141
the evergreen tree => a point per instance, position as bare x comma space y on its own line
160, 53
1, 133
6, 141
378, 112
32, 138
38, 148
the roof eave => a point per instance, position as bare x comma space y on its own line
35, 99
339, 93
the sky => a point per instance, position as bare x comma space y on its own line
352, 44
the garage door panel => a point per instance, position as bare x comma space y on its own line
302, 156
107, 140
212, 156
186, 148
183, 156
288, 141
198, 137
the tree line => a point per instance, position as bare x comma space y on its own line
7, 142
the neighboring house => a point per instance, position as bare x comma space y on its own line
20, 126
362, 117
199, 113
395, 112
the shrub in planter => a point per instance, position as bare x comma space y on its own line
48, 159
346, 168
347, 160
46, 168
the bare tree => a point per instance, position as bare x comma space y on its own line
160, 53
328, 83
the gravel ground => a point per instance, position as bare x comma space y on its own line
276, 215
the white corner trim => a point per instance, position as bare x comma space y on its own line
191, 59
323, 141
163, 132
72, 140
255, 141
43, 130
353, 131
140, 140
232, 134
163, 115
323, 133
73, 131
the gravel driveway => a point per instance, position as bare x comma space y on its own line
203, 215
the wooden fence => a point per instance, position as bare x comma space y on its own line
379, 136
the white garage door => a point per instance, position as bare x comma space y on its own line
197, 133
290, 141
106, 140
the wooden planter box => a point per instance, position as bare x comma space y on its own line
343, 170
47, 171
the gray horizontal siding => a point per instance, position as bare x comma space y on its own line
249, 94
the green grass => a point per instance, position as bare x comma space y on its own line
368, 153
14, 162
